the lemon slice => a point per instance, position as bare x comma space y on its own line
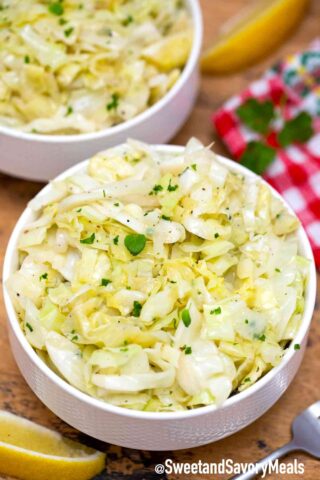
253, 34
31, 452
171, 52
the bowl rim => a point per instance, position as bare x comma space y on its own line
194, 7
13, 322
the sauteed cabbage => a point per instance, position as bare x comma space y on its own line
69, 67
159, 281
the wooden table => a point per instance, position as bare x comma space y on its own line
270, 431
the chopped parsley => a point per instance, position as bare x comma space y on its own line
114, 103
116, 204
105, 282
248, 379
135, 243
164, 217
29, 327
68, 31
216, 311
194, 167
69, 111
137, 307
172, 188
187, 350
157, 188
116, 240
127, 21
75, 337
62, 21
27, 59
216, 235
186, 318
89, 240
56, 8
246, 321
277, 270
296, 346
262, 337
44, 276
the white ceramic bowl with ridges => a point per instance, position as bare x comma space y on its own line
151, 430
43, 157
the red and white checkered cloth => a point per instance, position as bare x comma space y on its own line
293, 86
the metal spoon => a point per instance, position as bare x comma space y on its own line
306, 438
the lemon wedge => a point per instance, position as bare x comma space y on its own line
253, 34
171, 52
31, 452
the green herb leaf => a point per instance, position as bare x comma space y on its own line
44, 276
29, 327
186, 318
296, 346
114, 103
262, 337
164, 217
172, 188
135, 243
69, 111
89, 240
194, 167
127, 20
62, 21
137, 307
216, 235
27, 59
56, 8
216, 311
116, 240
257, 157
187, 350
299, 129
156, 189
256, 115
68, 31
105, 282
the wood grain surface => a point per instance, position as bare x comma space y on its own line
270, 431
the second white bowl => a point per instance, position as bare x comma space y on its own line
42, 157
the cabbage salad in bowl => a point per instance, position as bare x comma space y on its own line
68, 67
159, 279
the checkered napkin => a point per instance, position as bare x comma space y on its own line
293, 86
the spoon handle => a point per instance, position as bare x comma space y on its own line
263, 463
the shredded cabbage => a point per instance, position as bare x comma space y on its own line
68, 67
159, 281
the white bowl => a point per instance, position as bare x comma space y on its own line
150, 430
43, 157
